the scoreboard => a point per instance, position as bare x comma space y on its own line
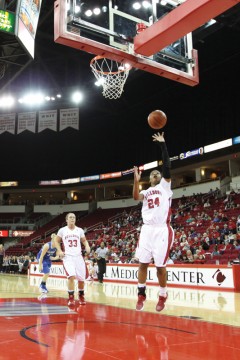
4, 233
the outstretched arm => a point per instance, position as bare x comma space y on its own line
137, 177
165, 157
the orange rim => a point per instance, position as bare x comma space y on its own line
99, 57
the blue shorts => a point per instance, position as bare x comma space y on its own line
46, 267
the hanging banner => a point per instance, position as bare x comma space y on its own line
47, 120
7, 123
69, 118
27, 121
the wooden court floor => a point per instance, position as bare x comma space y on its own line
196, 324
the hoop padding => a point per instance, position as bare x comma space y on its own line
111, 74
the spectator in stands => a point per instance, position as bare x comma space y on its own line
173, 255
72, 237
238, 224
20, 262
217, 193
25, 265
91, 269
190, 220
156, 235
216, 218
201, 251
101, 254
207, 204
214, 234
236, 245
205, 216
183, 258
215, 251
189, 256
222, 248
205, 242
196, 207
224, 231
223, 218
200, 259
232, 224
116, 260
134, 260
44, 258
231, 237
2, 255
14, 265
183, 235
184, 243
230, 204
193, 232
6, 264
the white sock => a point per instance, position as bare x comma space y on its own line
141, 285
163, 291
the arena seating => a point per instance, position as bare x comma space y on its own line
189, 216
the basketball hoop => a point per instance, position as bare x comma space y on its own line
111, 74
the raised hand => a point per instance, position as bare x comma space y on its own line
159, 137
137, 175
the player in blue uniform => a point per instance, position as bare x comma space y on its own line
45, 257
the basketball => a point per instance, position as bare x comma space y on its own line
157, 119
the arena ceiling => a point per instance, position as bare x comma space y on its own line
114, 134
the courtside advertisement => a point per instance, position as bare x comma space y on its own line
214, 277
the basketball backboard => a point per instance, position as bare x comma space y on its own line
153, 35
111, 34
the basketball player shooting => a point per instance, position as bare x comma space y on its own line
156, 236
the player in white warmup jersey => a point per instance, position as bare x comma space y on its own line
72, 237
156, 236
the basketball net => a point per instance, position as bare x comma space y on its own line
111, 74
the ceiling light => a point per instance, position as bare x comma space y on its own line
136, 6
96, 11
77, 9
104, 9
77, 97
146, 4
88, 13
6, 101
31, 99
